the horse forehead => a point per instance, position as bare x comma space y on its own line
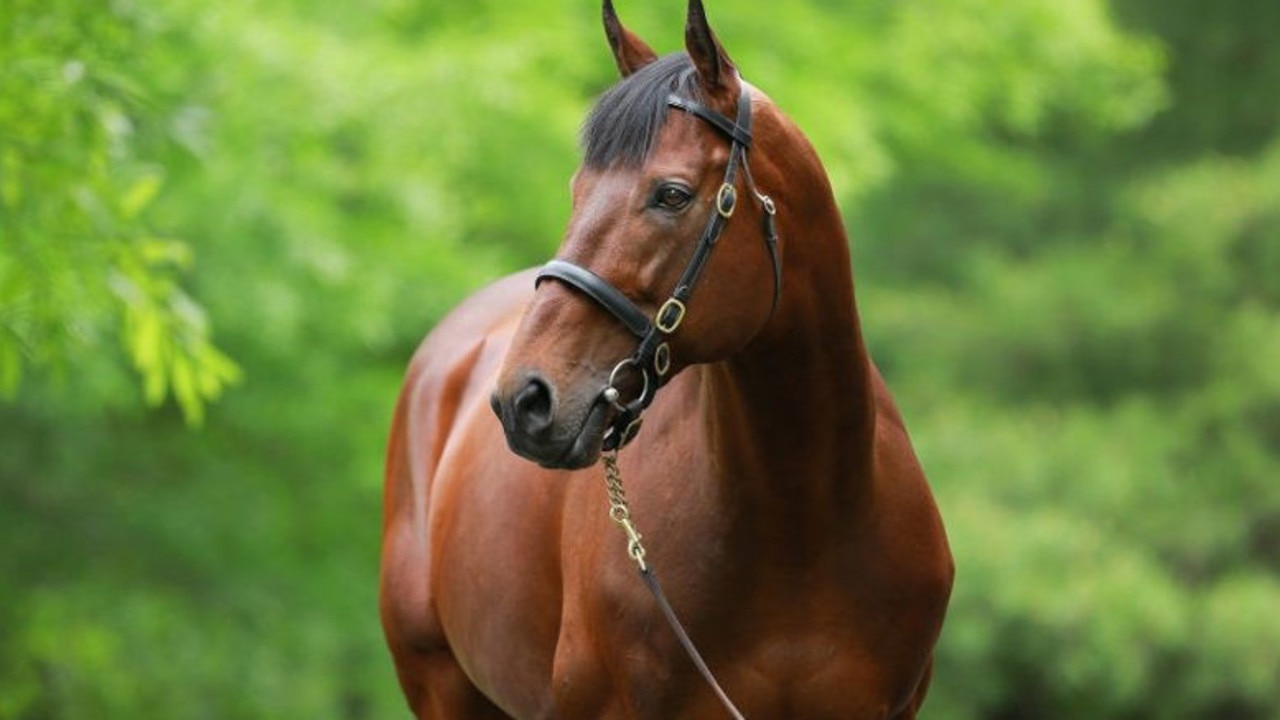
686, 145
683, 147
684, 151
602, 194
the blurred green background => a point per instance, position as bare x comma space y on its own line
224, 227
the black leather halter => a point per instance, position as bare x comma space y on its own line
652, 358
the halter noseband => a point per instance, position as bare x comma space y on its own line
652, 358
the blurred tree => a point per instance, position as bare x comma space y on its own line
82, 113
1065, 235
1223, 71
1086, 344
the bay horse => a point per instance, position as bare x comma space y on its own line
704, 284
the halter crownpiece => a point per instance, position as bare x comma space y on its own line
652, 358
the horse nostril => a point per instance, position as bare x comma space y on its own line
532, 406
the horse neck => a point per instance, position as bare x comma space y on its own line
792, 417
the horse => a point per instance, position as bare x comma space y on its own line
704, 286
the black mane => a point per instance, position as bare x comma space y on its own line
622, 127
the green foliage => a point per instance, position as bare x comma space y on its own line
1092, 374
82, 120
1065, 232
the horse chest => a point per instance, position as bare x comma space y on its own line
826, 673
806, 658
790, 678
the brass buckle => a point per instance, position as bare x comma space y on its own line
662, 360
726, 201
671, 306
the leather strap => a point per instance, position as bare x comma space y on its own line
652, 357
651, 581
598, 289
739, 132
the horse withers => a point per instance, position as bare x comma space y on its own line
704, 286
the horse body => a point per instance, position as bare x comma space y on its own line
776, 490
510, 583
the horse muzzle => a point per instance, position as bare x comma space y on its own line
552, 431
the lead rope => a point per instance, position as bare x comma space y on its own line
620, 512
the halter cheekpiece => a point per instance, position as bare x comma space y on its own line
652, 357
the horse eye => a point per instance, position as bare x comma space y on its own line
672, 197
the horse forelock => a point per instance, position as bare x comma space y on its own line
624, 124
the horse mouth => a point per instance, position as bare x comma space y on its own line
584, 449
561, 450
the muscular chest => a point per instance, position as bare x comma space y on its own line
818, 675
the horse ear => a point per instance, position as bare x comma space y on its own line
630, 52
715, 69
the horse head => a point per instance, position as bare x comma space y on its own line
671, 159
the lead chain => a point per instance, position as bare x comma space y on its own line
619, 510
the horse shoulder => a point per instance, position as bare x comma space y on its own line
446, 376
446, 379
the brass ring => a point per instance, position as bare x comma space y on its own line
611, 394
